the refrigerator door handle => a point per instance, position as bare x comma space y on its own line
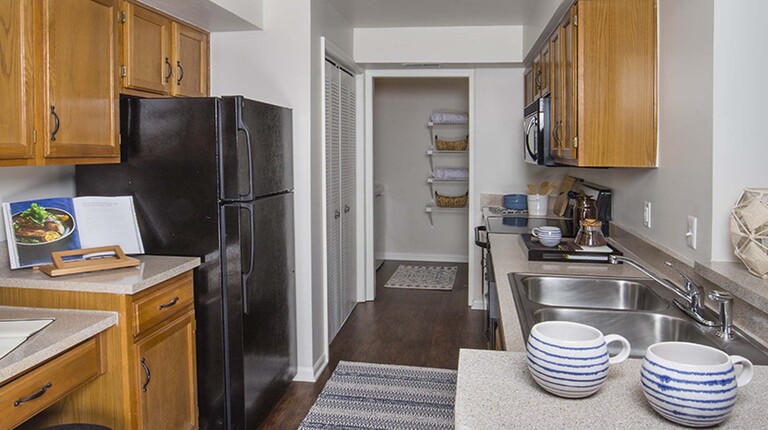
242, 127
246, 274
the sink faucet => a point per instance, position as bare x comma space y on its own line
726, 313
691, 293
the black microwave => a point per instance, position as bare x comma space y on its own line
536, 133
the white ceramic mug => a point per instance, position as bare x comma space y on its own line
538, 204
569, 359
548, 236
691, 384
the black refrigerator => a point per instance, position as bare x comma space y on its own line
213, 178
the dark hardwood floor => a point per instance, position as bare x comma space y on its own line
402, 326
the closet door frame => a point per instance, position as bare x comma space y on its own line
474, 295
338, 56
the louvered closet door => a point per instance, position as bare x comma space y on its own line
333, 197
348, 192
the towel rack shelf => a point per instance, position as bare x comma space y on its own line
432, 181
431, 208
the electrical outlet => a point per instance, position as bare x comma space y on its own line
690, 235
647, 214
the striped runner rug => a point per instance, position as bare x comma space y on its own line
382, 396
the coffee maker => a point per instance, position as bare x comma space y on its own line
602, 196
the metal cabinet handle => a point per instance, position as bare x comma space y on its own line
170, 70
538, 79
147, 372
556, 134
346, 208
169, 304
42, 391
181, 73
336, 214
56, 123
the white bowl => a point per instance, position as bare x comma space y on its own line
691, 384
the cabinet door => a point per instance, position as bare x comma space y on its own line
190, 55
166, 379
536, 70
79, 103
570, 82
16, 83
146, 46
545, 70
528, 92
556, 94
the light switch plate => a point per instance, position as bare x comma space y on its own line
647, 214
690, 235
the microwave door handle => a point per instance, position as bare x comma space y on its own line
534, 155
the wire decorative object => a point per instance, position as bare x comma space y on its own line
749, 230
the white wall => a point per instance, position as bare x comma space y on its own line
26, 183
328, 23
740, 150
401, 110
495, 44
537, 19
274, 66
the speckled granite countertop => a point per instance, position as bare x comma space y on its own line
153, 270
495, 391
70, 328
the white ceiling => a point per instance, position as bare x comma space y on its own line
433, 13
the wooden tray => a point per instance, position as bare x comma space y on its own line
566, 252
116, 260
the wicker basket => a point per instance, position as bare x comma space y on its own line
451, 202
451, 145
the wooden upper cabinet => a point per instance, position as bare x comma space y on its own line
536, 71
603, 84
190, 57
146, 50
16, 83
544, 67
79, 92
528, 84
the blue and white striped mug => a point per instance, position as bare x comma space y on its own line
569, 359
691, 384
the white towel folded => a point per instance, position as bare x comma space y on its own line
450, 117
447, 173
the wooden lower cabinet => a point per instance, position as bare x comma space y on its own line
166, 360
117, 399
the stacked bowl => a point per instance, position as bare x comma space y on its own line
516, 202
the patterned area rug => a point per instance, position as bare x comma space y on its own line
381, 396
423, 277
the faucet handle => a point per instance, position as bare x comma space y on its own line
721, 296
690, 286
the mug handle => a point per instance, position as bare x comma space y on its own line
621, 356
533, 232
746, 370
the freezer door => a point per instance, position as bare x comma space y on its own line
256, 149
268, 307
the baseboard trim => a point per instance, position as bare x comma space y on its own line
306, 374
405, 256
478, 305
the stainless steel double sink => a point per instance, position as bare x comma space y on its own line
639, 310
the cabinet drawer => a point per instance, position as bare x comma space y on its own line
162, 302
31, 393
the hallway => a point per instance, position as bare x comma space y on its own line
407, 327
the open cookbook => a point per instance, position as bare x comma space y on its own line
35, 228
